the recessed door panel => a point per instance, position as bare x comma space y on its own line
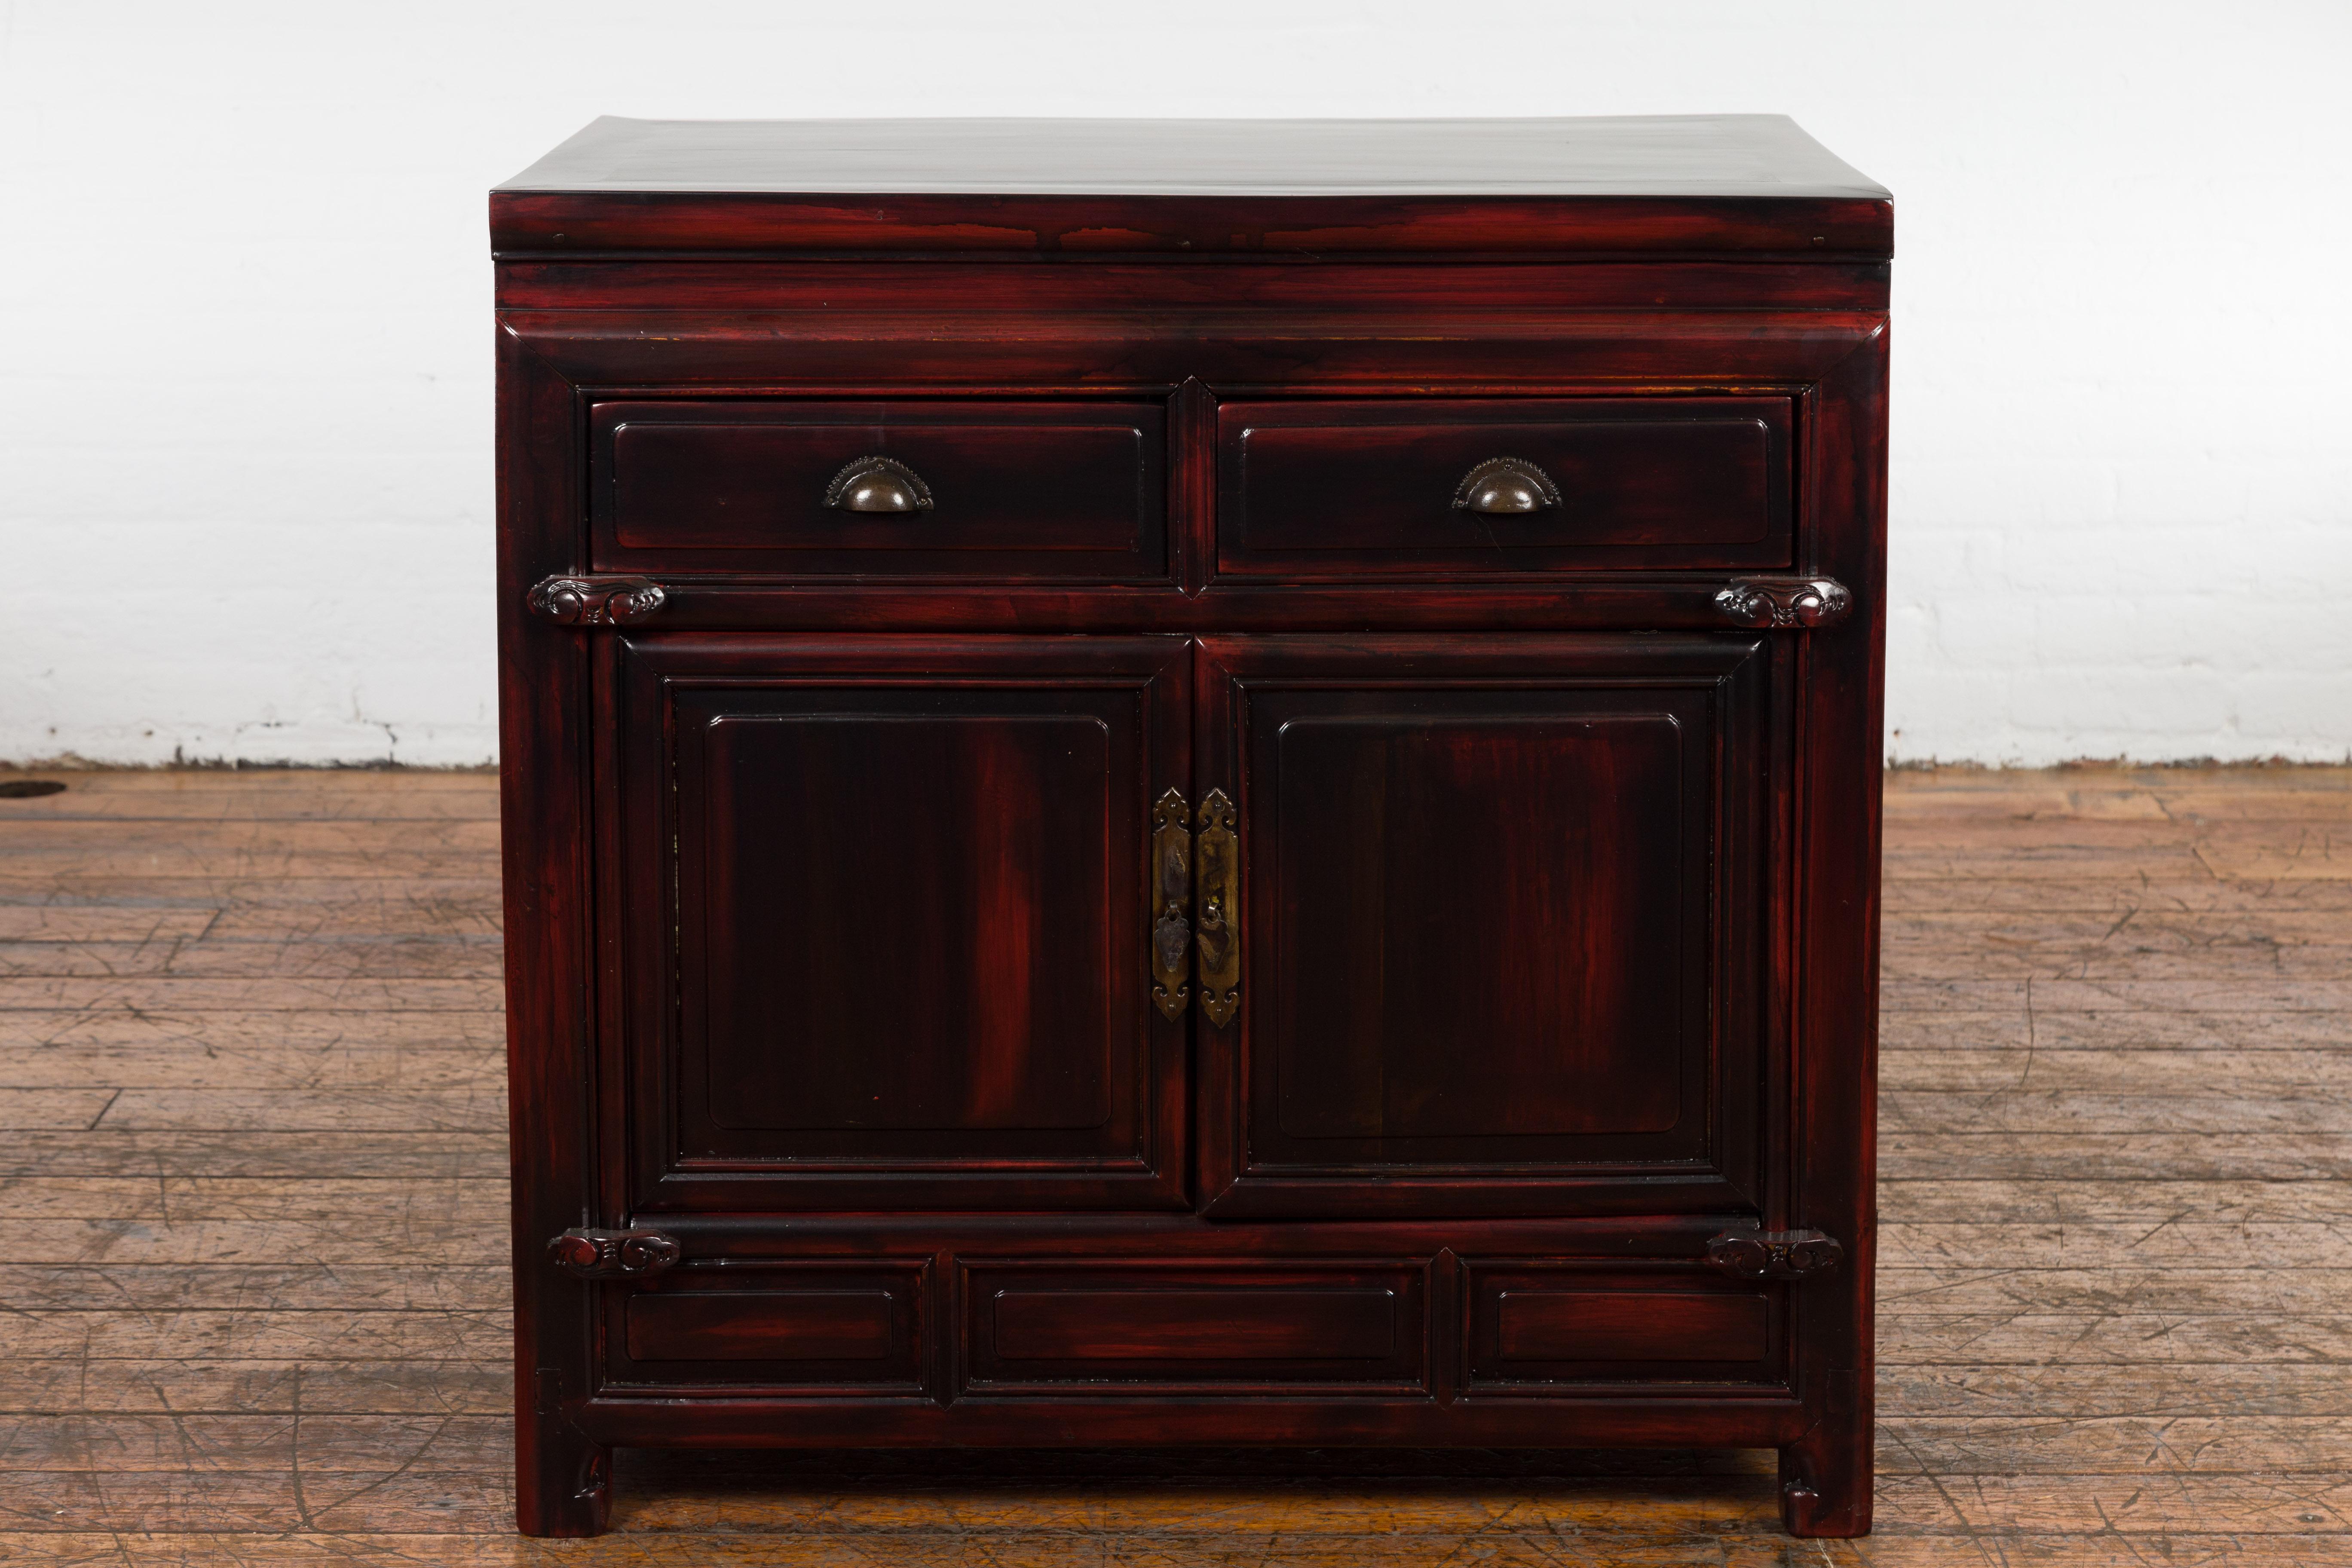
871, 961
1483, 919
883, 920
1490, 962
808, 1326
1535, 1325
1077, 1326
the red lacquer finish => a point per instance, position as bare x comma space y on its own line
1527, 907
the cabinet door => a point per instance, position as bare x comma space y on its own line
880, 909
1501, 908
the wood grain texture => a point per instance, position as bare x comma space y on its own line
258, 1301
1683, 184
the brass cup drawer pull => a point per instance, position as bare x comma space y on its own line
878, 485
1505, 487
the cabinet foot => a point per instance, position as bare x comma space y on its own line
564, 1482
1825, 1482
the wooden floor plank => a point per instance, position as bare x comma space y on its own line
2284, 993
2291, 1504
2248, 964
181, 1384
2170, 1292
97, 840
217, 1444
290, 1110
79, 886
2114, 1339
259, 993
408, 957
1911, 1154
2152, 1389
2106, 1070
2114, 1444
128, 1242
361, 1286
2116, 895
2062, 1114
265, 1333
102, 923
259, 1033
262, 1151
2013, 1201
195, 1200
2191, 1241
261, 1111
71, 868
54, 1109
451, 1066
2188, 934
2030, 1026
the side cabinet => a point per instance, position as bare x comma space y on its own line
1241, 815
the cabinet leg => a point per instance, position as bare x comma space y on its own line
564, 1482
1825, 1480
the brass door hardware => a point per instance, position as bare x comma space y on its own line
612, 1254
1195, 881
1216, 944
1774, 1255
1505, 486
879, 484
1171, 901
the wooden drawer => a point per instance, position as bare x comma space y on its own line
803, 1324
1003, 489
1532, 1325
1250, 1326
1310, 489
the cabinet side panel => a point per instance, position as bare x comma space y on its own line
543, 703
1827, 1477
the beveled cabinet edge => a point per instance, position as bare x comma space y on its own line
528, 224
1309, 354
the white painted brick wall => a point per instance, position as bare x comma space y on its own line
245, 404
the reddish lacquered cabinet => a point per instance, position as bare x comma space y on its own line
1205, 783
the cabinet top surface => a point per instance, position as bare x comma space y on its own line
1735, 156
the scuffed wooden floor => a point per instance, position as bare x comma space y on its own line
252, 1157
